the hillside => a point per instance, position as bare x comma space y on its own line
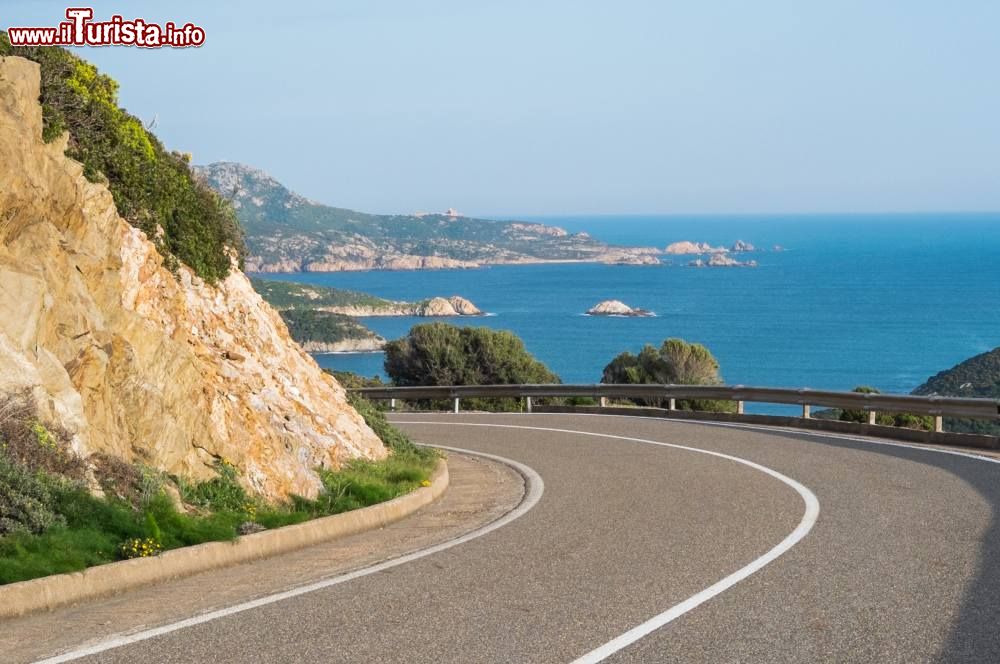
288, 233
290, 295
283, 295
169, 360
325, 332
323, 320
977, 377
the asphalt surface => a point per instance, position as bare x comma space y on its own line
902, 565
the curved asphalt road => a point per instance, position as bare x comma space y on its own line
902, 565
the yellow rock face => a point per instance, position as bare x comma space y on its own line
136, 361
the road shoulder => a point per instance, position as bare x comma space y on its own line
480, 492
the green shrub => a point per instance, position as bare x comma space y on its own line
903, 420
352, 381
24, 440
51, 524
26, 501
675, 362
443, 354
153, 188
129, 482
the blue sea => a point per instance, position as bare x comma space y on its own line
882, 300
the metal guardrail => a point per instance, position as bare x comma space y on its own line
938, 407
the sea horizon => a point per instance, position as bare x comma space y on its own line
848, 302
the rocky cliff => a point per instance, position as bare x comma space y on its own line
138, 361
721, 260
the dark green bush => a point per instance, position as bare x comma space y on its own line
443, 354
903, 420
26, 501
675, 362
152, 187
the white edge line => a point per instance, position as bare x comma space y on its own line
678, 610
534, 487
774, 428
636, 633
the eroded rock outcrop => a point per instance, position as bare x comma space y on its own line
452, 306
721, 260
464, 307
137, 361
686, 248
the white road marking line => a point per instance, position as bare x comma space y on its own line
772, 428
534, 487
676, 611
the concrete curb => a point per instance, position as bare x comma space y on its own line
18, 599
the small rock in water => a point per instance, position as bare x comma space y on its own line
616, 308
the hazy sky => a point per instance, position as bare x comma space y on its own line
549, 107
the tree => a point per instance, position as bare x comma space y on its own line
443, 354
675, 362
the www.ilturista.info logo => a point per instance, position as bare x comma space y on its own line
79, 30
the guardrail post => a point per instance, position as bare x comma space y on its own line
392, 404
604, 402
527, 404
456, 400
739, 407
806, 411
672, 404
871, 417
938, 424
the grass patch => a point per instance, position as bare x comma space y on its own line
51, 524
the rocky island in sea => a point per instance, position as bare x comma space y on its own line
721, 260
617, 308
686, 247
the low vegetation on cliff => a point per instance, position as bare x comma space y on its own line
323, 331
153, 188
53, 521
675, 361
978, 377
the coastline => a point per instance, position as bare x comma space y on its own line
262, 270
